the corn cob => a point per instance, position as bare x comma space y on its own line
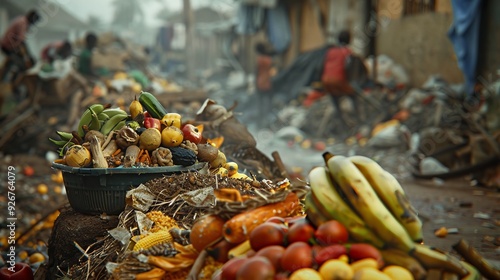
152, 239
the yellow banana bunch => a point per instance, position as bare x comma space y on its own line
331, 205
365, 200
392, 195
373, 206
312, 211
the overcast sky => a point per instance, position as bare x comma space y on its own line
103, 8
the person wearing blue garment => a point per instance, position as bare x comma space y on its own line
464, 34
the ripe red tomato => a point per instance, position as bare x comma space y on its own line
266, 234
359, 251
300, 231
273, 254
297, 255
231, 267
257, 267
21, 271
331, 232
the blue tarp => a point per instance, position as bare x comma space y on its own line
278, 27
253, 18
250, 19
464, 34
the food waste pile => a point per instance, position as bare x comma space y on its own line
349, 218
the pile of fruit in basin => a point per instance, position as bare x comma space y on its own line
146, 135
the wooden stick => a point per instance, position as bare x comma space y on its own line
197, 265
472, 256
108, 140
97, 156
74, 108
110, 149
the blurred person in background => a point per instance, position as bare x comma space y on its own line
60, 50
84, 65
55, 59
265, 70
55, 65
18, 58
13, 43
334, 78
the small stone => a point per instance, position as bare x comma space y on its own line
488, 225
478, 193
438, 207
453, 231
439, 221
497, 241
488, 238
480, 215
438, 181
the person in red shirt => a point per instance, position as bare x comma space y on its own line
334, 76
13, 45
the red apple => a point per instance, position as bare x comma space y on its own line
331, 232
272, 253
231, 267
257, 267
296, 256
266, 234
191, 133
20, 271
300, 231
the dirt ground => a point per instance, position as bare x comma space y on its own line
474, 213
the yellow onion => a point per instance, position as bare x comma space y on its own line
78, 156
